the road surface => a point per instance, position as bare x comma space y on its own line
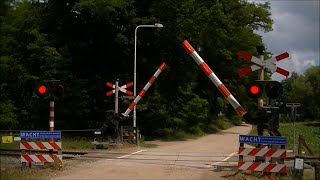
192, 159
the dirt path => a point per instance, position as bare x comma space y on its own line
192, 159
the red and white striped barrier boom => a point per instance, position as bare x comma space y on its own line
144, 90
40, 158
40, 145
206, 69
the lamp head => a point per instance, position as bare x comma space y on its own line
158, 25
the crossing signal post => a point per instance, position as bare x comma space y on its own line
267, 117
272, 89
52, 89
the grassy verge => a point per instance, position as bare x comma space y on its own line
13, 145
309, 130
83, 144
180, 135
13, 172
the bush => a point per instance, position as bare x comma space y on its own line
196, 130
284, 118
169, 134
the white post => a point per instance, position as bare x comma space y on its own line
116, 106
261, 77
135, 75
260, 50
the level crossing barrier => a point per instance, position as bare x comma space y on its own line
214, 79
52, 150
276, 163
144, 90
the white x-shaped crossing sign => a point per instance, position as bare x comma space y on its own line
259, 64
121, 88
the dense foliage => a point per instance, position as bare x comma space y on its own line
304, 89
85, 43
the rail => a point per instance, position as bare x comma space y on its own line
17, 152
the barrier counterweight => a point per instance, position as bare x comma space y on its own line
144, 90
206, 69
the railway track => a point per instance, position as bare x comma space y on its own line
17, 152
142, 156
148, 156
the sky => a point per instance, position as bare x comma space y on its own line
296, 31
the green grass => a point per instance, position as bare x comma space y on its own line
83, 144
148, 145
13, 145
15, 172
309, 130
198, 131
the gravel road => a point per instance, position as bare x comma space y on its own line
192, 159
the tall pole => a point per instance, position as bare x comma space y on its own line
261, 77
260, 128
135, 75
293, 117
116, 100
135, 68
260, 50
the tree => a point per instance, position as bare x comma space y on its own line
86, 43
304, 89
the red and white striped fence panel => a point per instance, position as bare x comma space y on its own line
40, 158
264, 167
40, 145
144, 90
275, 153
259, 63
259, 166
206, 69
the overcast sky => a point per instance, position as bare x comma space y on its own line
296, 31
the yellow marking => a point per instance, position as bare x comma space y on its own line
7, 139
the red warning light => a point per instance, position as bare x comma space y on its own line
254, 89
42, 89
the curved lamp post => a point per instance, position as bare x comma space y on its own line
156, 25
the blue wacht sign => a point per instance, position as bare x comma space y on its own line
263, 139
40, 134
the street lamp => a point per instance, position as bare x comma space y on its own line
156, 25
